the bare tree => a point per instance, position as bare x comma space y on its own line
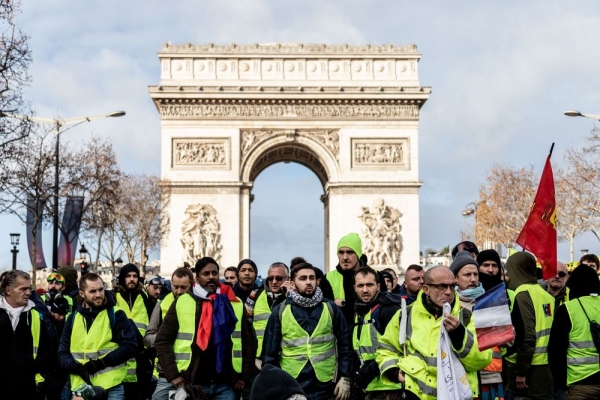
95, 174
578, 203
504, 203
142, 222
15, 57
26, 184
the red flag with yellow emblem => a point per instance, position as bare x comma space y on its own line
539, 233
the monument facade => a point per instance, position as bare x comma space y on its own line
348, 113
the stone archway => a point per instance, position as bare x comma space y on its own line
348, 113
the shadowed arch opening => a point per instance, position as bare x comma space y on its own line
286, 215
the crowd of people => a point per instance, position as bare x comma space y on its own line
352, 333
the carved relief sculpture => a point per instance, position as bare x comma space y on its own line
382, 242
212, 152
379, 152
200, 233
251, 137
330, 138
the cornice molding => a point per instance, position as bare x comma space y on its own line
290, 48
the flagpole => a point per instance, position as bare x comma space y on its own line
551, 148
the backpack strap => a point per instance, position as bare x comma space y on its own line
588, 318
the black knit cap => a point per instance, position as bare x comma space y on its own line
250, 262
274, 384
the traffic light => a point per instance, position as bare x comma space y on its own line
85, 268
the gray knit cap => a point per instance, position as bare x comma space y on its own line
462, 258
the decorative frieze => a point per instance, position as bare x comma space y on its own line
382, 242
317, 111
380, 153
204, 152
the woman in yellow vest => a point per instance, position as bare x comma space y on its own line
573, 357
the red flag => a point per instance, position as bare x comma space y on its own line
539, 233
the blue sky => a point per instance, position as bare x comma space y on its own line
502, 73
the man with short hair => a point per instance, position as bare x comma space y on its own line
374, 310
246, 275
302, 335
413, 282
23, 338
97, 340
338, 284
230, 276
206, 338
182, 282
132, 299
416, 367
556, 284
591, 260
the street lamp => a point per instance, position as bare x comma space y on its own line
584, 252
82, 252
58, 124
14, 242
574, 113
470, 209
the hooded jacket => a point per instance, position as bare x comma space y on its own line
521, 268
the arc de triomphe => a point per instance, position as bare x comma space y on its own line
348, 113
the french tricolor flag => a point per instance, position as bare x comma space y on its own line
493, 325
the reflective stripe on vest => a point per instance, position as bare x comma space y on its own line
93, 343
182, 348
35, 335
261, 317
543, 305
582, 357
139, 316
366, 348
336, 280
298, 347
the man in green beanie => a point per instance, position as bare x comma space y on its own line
338, 284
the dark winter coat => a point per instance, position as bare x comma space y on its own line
17, 366
308, 318
348, 308
202, 368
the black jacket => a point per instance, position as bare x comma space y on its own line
308, 318
348, 308
123, 333
17, 366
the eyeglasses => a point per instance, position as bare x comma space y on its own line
442, 286
561, 274
277, 278
55, 277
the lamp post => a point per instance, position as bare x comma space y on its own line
14, 241
59, 123
574, 113
471, 209
584, 252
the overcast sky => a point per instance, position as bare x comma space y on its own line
502, 73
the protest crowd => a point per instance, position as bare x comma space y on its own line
476, 329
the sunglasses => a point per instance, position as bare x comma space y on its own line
54, 277
155, 281
277, 278
442, 286
561, 274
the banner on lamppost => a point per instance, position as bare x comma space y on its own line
71, 222
35, 210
